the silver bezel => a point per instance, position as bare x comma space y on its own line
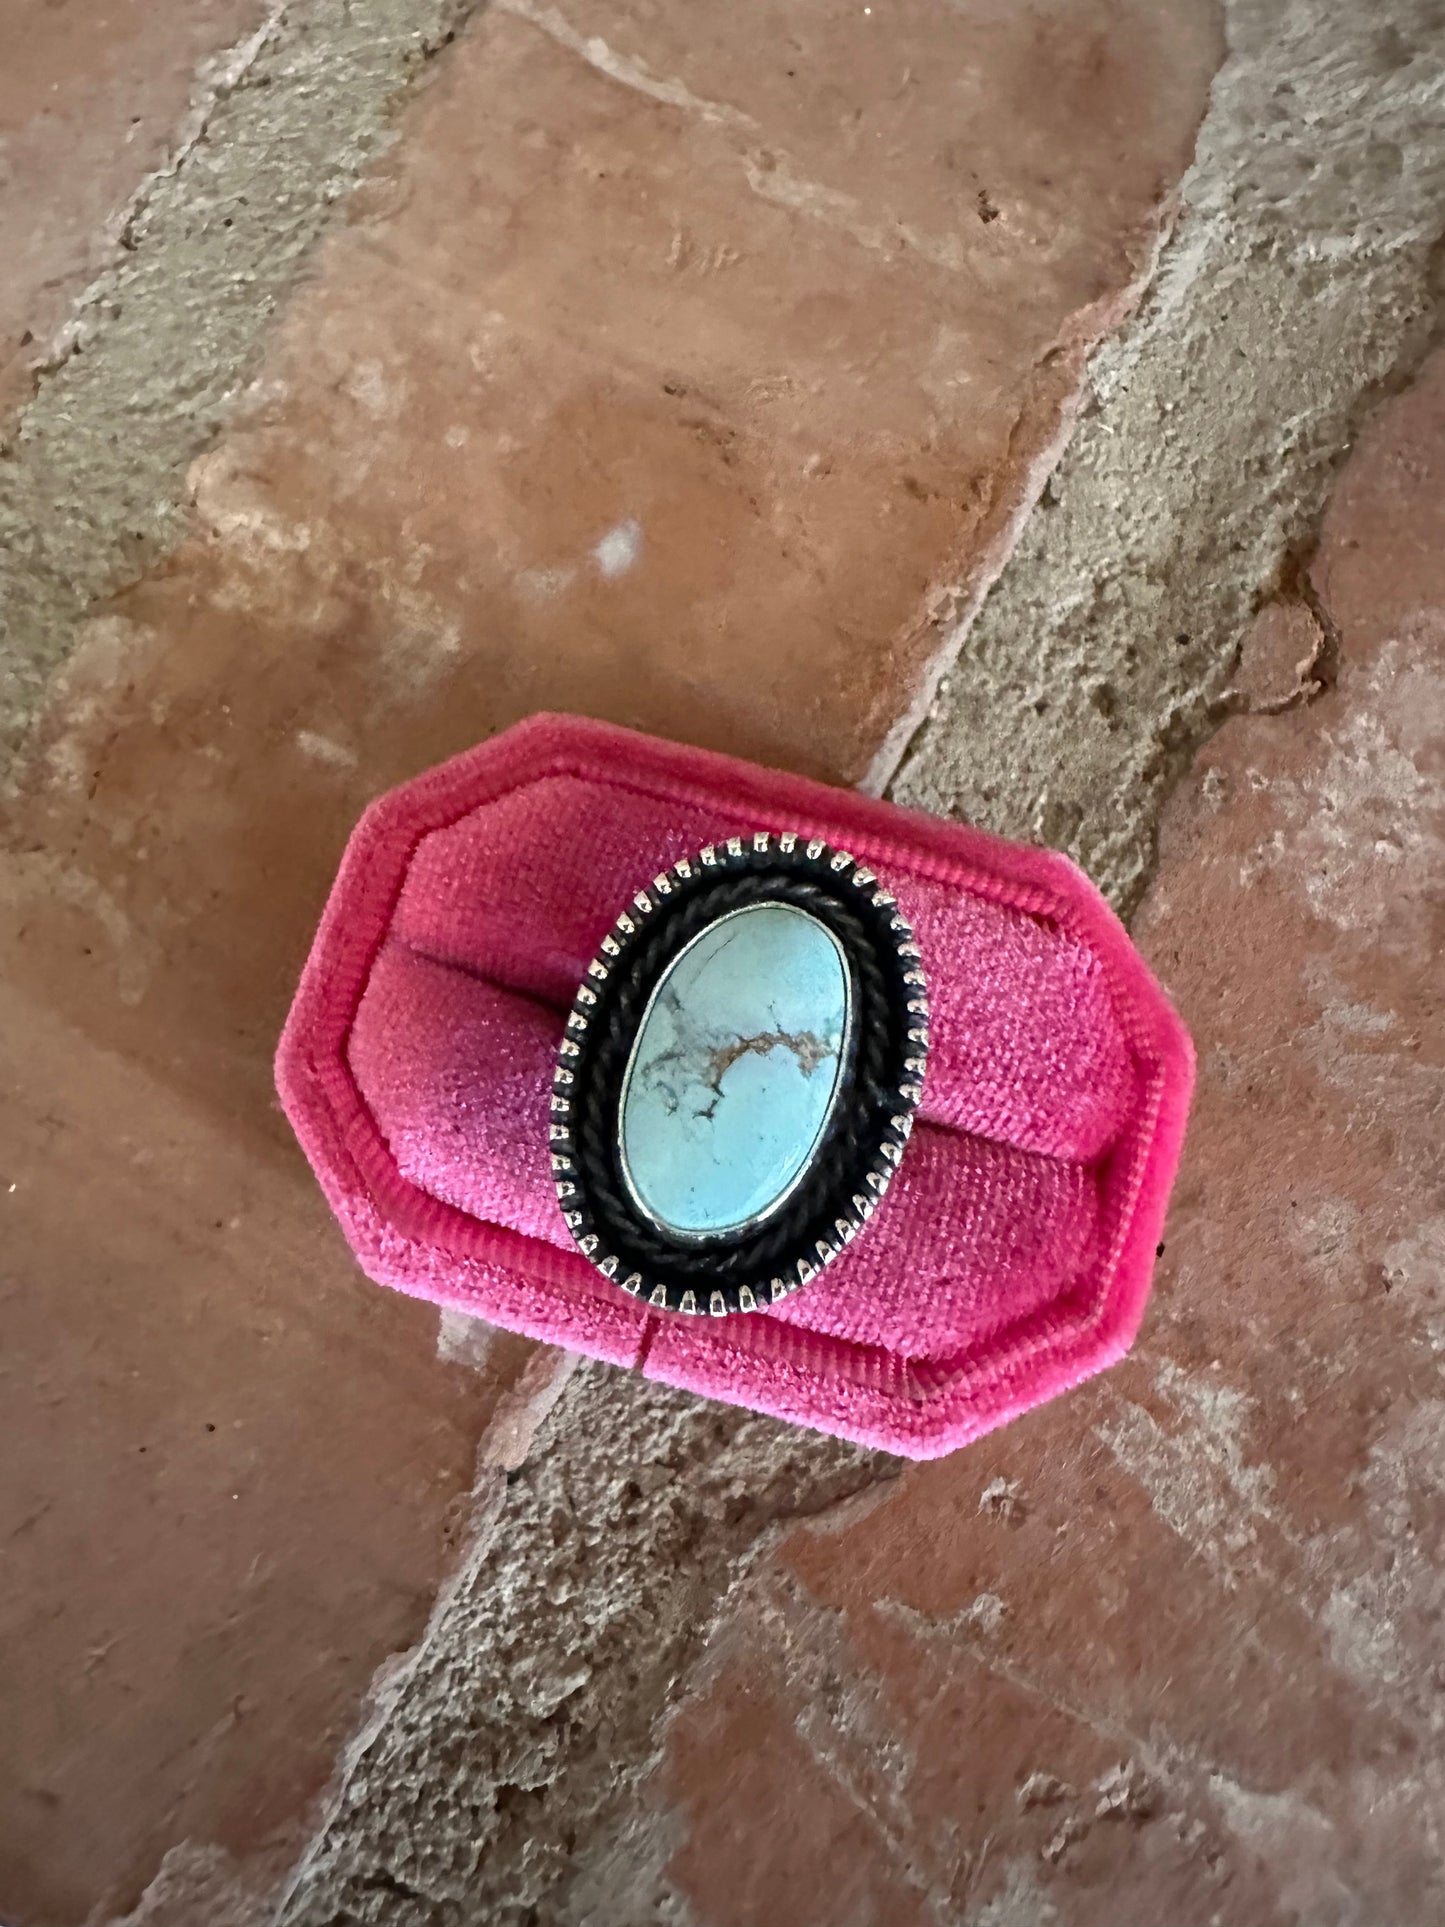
636, 918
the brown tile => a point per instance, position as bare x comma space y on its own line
233, 1475
1283, 659
1169, 1648
92, 97
1023, 147
744, 1774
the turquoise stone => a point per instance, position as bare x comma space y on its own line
735, 1069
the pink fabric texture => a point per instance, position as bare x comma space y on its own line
1012, 1255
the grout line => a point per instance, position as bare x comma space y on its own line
159, 347
1064, 708
903, 735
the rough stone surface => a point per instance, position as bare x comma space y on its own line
1285, 658
95, 96
193, 1614
151, 357
499, 1783
1300, 284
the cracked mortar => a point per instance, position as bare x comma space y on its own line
1299, 288
495, 1778
160, 346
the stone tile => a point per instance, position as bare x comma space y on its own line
93, 95
1169, 1649
234, 1475
745, 1773
1282, 657
1024, 148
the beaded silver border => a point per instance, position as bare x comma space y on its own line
645, 905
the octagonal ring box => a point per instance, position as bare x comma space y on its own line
1009, 1259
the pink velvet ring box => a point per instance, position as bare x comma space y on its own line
1011, 1256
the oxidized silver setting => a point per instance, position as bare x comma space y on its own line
773, 863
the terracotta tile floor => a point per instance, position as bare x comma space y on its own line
667, 400
657, 379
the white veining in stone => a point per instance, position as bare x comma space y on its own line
734, 1071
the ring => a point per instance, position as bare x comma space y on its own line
738, 1074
